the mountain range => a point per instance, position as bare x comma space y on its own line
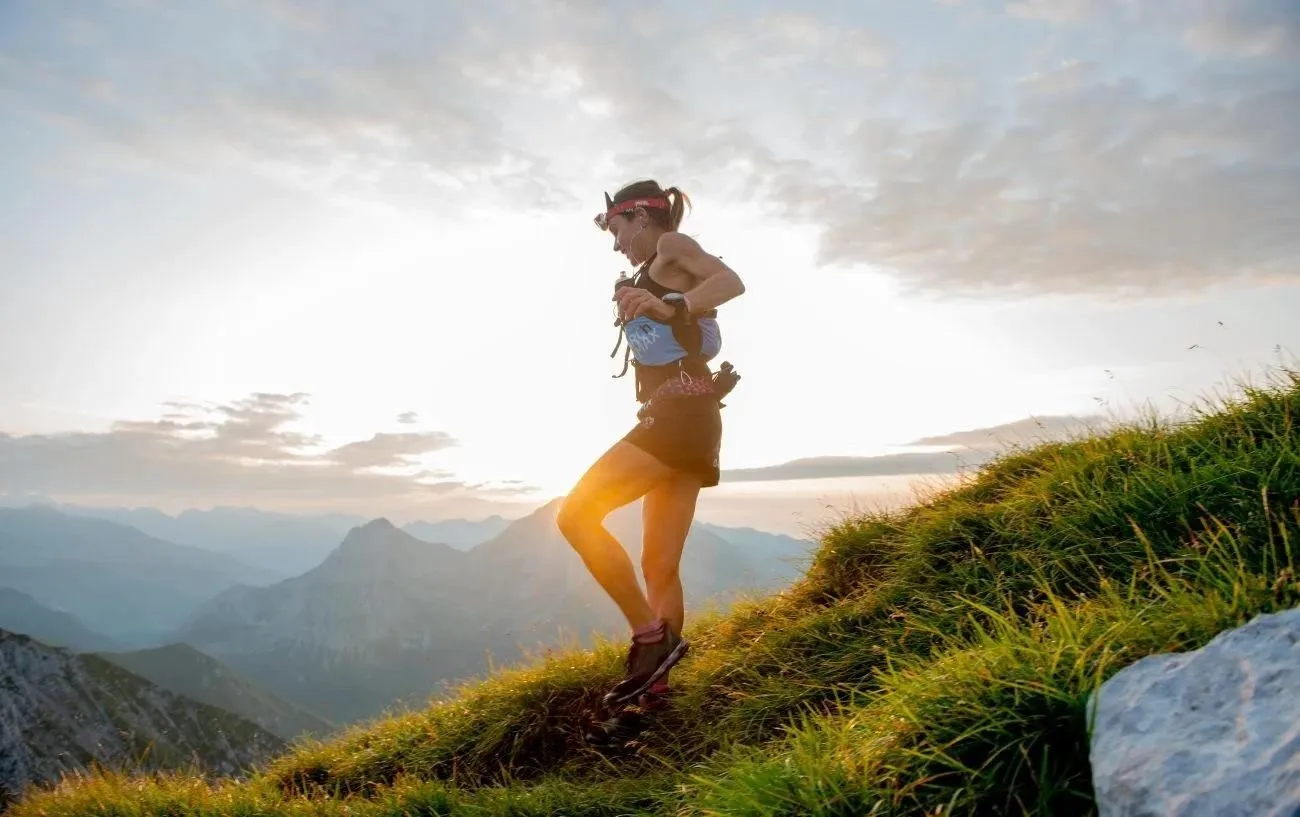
280, 544
389, 619
461, 534
184, 670
20, 613
129, 586
383, 619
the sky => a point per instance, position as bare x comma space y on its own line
338, 256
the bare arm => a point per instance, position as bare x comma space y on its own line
716, 283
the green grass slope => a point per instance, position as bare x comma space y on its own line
934, 660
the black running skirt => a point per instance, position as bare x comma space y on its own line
684, 433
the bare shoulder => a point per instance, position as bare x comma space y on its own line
683, 253
675, 246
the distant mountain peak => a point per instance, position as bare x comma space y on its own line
377, 533
379, 539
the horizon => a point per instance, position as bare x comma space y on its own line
513, 513
289, 256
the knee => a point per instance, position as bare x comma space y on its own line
659, 570
574, 517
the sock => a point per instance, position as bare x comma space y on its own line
655, 694
651, 633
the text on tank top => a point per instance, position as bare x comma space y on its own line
652, 342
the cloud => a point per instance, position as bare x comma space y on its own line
966, 448
1239, 29
1055, 11
1029, 430
388, 450
990, 163
1077, 176
1101, 186
231, 452
788, 37
330, 96
832, 467
1245, 29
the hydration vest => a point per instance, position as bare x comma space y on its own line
688, 335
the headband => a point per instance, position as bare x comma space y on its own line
612, 209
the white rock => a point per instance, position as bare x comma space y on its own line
1215, 731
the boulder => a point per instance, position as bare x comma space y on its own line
1214, 731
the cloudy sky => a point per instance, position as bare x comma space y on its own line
339, 255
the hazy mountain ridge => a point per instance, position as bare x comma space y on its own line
461, 534
200, 677
132, 586
384, 617
387, 616
60, 711
282, 544
374, 563
20, 613
287, 545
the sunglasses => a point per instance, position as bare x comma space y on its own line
611, 209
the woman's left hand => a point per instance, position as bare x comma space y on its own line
634, 302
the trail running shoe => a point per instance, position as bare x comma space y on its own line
646, 663
615, 731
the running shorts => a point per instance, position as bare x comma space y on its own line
683, 432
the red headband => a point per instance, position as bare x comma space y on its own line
602, 220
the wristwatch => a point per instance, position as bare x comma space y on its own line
678, 302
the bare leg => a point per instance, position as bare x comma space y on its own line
667, 514
623, 474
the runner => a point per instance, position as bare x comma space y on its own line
667, 313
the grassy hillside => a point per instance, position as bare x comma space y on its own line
933, 660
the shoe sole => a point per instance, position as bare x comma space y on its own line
668, 663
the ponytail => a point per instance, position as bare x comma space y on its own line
677, 204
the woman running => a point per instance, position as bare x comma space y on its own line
667, 313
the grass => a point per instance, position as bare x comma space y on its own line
934, 660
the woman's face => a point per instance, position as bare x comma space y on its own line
625, 228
